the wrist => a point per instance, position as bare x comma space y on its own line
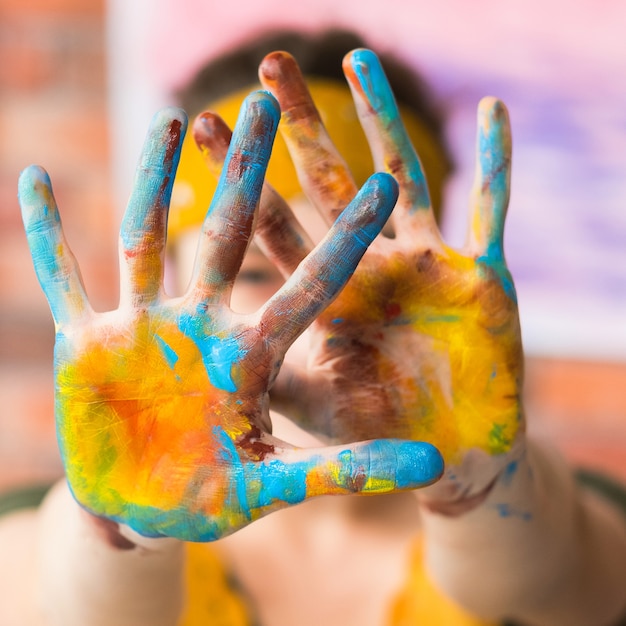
111, 534
468, 485
120, 537
84, 579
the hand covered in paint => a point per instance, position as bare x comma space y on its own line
162, 405
424, 342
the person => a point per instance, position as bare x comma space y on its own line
423, 343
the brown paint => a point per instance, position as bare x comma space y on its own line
212, 134
240, 161
426, 261
356, 482
280, 73
357, 387
252, 443
173, 140
493, 174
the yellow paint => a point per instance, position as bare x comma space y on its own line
138, 427
420, 602
443, 340
211, 600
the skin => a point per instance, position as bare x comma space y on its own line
534, 548
199, 462
424, 342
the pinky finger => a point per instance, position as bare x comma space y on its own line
55, 265
490, 194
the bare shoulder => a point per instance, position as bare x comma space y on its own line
18, 569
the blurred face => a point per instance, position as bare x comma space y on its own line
258, 279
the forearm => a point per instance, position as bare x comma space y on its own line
93, 575
538, 549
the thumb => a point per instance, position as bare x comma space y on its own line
292, 475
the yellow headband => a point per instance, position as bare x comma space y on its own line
194, 187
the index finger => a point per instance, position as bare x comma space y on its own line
322, 275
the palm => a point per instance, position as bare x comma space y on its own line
428, 338
144, 416
162, 405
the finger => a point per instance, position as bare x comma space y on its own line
391, 146
55, 265
143, 230
321, 276
230, 218
490, 194
322, 172
289, 476
278, 233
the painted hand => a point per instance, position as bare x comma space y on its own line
424, 342
162, 405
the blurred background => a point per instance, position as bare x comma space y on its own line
80, 79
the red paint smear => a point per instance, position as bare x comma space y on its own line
252, 444
392, 311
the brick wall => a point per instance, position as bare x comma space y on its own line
52, 112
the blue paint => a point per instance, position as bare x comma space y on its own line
416, 463
237, 499
276, 480
509, 472
338, 320
145, 520
170, 355
279, 481
493, 261
220, 355
242, 176
505, 510
494, 166
373, 81
154, 179
41, 223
